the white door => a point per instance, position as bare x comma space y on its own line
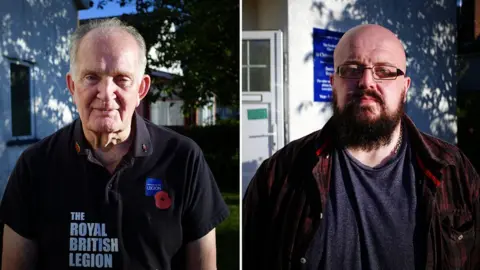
262, 99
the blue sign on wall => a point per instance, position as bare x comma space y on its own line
324, 42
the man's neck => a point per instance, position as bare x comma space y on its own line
109, 148
380, 155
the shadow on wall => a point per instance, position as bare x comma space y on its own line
428, 32
35, 33
248, 171
306, 105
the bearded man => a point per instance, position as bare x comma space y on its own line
369, 190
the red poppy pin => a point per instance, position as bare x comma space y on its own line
162, 200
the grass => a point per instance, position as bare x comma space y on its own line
228, 235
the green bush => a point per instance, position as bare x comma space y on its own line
220, 145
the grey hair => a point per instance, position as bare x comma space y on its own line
105, 25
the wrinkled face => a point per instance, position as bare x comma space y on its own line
107, 84
367, 107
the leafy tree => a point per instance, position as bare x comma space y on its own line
201, 37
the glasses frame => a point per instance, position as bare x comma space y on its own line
399, 72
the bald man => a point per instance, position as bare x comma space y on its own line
368, 190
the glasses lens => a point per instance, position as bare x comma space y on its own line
350, 71
385, 72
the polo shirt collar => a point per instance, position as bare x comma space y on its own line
80, 142
141, 145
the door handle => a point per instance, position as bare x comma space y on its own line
263, 135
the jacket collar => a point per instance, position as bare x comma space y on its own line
141, 146
429, 162
424, 149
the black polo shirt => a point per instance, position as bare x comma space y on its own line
161, 196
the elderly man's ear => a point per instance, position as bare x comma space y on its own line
143, 88
70, 85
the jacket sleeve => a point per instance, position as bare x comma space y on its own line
473, 181
255, 219
475, 255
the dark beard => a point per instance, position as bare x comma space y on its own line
355, 130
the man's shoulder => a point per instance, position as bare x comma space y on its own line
53, 143
294, 159
452, 157
296, 150
442, 150
164, 136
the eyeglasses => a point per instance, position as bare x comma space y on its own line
380, 72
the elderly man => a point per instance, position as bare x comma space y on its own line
369, 190
110, 190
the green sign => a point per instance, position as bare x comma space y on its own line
255, 114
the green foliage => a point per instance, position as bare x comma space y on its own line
205, 43
228, 121
228, 239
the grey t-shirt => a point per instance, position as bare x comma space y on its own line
371, 213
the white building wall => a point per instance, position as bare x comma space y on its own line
249, 15
35, 31
206, 115
427, 29
167, 113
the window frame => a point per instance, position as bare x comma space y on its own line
33, 131
248, 66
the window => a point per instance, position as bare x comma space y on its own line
20, 98
256, 65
